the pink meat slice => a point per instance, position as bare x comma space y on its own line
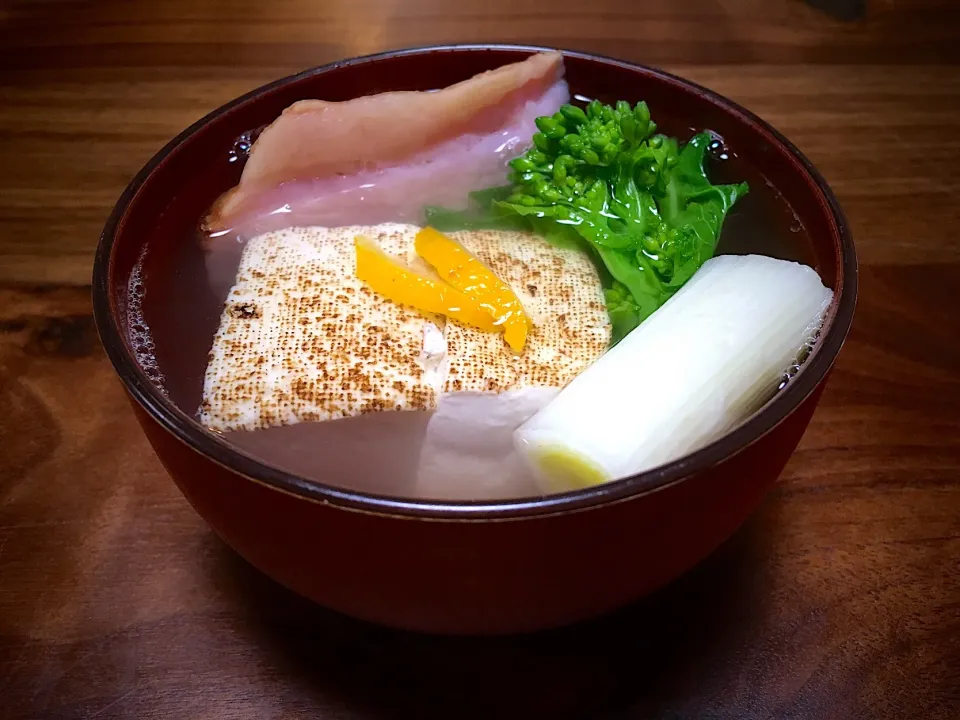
383, 157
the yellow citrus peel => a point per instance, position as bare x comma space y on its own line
464, 271
399, 283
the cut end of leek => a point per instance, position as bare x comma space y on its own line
697, 367
560, 469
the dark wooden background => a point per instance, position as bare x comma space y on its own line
839, 599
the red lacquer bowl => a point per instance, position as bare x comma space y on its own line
469, 567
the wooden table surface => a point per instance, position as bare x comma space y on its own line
839, 599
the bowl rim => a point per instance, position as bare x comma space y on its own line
208, 444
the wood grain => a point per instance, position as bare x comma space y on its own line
840, 598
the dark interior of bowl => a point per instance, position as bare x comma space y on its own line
152, 238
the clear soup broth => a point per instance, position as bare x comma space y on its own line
175, 309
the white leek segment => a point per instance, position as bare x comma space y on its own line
698, 366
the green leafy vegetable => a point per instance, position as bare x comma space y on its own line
603, 179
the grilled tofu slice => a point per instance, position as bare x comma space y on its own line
302, 340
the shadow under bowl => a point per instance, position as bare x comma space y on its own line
468, 567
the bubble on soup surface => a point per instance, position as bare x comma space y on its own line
138, 332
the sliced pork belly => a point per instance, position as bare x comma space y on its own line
383, 157
412, 406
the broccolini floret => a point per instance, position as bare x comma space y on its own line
605, 179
